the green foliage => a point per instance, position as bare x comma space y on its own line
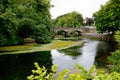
74, 33
117, 36
80, 74
107, 19
115, 57
26, 27
42, 34
41, 73
73, 19
62, 74
8, 29
19, 19
60, 32
84, 74
101, 75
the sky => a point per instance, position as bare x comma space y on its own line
85, 7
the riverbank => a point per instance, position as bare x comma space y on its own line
30, 48
99, 36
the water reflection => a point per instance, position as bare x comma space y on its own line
103, 51
64, 61
67, 58
73, 52
88, 54
18, 67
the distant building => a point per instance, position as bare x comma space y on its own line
89, 21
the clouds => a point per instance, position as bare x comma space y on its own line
85, 7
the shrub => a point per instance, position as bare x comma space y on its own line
80, 74
21, 18
115, 57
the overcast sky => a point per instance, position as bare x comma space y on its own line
85, 7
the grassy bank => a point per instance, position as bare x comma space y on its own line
30, 48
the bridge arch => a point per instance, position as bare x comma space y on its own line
63, 32
67, 32
76, 32
60, 32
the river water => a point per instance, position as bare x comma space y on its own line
19, 66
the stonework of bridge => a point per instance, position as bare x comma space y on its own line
67, 31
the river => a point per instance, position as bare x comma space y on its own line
19, 66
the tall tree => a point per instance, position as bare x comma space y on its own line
107, 19
24, 18
73, 19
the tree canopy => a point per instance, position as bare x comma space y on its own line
73, 19
107, 19
24, 18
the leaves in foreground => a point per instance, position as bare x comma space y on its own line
80, 74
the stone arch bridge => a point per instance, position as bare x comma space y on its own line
67, 31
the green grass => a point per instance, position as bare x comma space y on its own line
29, 48
58, 44
17, 48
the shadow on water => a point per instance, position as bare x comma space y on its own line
104, 49
73, 51
91, 53
18, 67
